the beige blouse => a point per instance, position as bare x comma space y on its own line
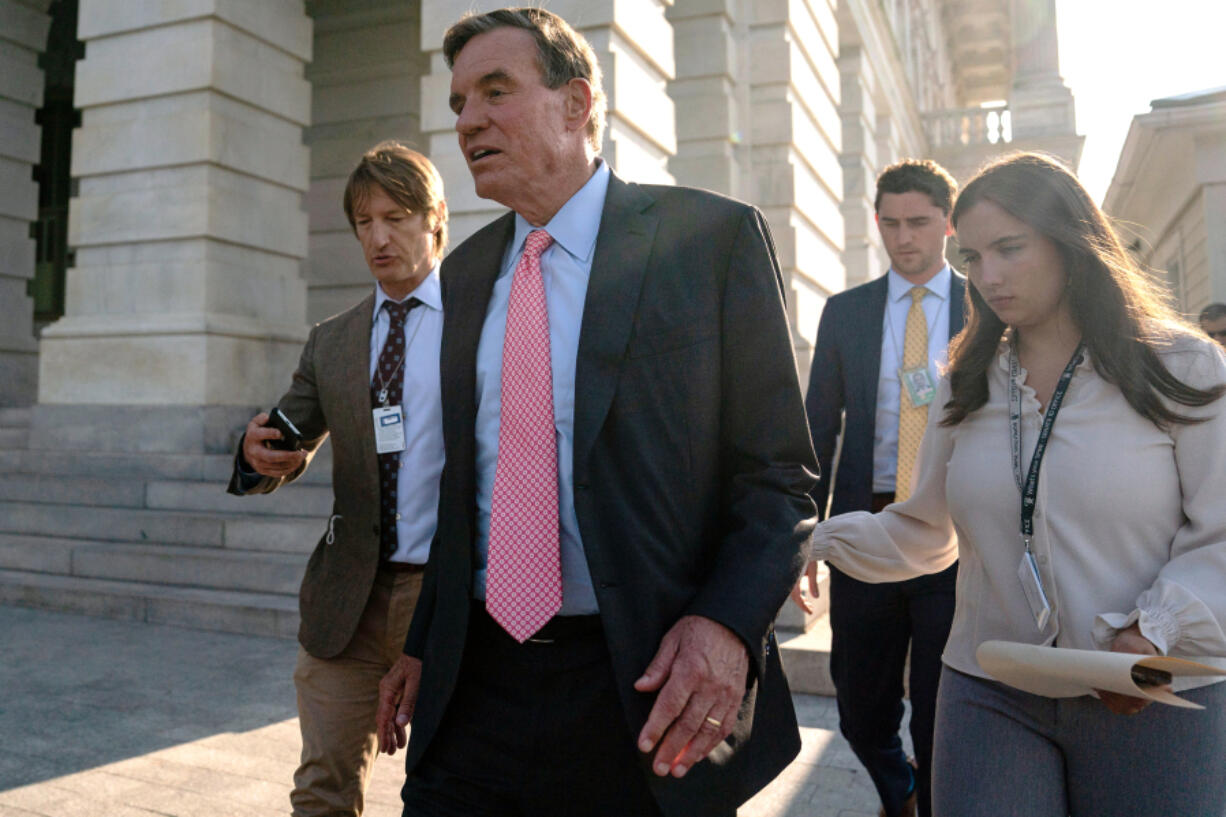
1130, 522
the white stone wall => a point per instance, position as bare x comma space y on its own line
188, 224
711, 95
1181, 256
365, 87
23, 36
795, 141
880, 124
633, 42
917, 30
1211, 173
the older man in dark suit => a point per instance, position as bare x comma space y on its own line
369, 377
875, 365
627, 475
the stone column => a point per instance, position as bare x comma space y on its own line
23, 35
711, 95
634, 44
795, 142
186, 304
862, 256
365, 87
1040, 104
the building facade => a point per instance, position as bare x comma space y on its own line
191, 155
1169, 193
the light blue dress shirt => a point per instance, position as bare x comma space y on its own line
894, 329
565, 267
421, 462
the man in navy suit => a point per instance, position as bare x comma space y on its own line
600, 643
859, 388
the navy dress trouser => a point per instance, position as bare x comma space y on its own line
533, 730
873, 625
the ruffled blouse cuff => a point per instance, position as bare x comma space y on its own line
1160, 626
818, 544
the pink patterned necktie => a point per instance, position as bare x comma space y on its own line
523, 585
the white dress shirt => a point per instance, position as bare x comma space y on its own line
936, 308
421, 461
1130, 523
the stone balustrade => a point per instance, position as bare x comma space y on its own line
969, 126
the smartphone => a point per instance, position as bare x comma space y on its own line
291, 437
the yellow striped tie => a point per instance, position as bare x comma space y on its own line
911, 418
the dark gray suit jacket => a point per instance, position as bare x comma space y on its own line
692, 462
330, 395
843, 381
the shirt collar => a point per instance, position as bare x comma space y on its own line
427, 292
938, 285
575, 226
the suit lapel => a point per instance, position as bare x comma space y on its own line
873, 318
353, 368
957, 293
623, 248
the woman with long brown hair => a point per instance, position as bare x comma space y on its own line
1082, 445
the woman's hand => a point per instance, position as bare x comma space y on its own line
1129, 640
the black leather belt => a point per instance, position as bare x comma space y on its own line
401, 567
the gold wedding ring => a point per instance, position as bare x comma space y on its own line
714, 722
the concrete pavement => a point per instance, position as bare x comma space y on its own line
122, 719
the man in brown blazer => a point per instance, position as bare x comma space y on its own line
369, 377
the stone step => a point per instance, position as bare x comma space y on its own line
247, 571
14, 439
171, 495
66, 490
291, 500
15, 417
200, 467
274, 534
40, 554
806, 658
239, 532
114, 524
261, 614
220, 568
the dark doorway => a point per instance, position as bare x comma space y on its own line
57, 118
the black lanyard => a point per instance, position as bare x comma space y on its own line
1030, 488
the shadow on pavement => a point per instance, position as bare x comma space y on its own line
82, 692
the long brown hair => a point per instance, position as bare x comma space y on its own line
1123, 314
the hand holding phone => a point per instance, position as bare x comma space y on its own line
291, 437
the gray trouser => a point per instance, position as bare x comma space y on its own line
1000, 752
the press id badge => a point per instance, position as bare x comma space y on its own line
389, 429
919, 385
1032, 586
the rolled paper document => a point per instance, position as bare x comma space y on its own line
1058, 672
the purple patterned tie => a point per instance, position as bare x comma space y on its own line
389, 378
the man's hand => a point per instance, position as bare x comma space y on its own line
1129, 640
814, 591
700, 672
266, 461
397, 698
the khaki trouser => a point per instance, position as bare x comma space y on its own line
337, 699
